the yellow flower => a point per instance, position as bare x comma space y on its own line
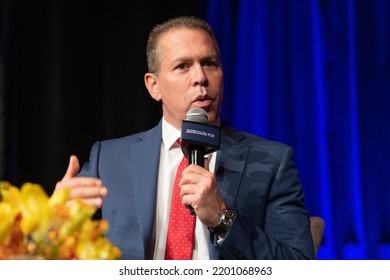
11, 195
7, 218
31, 201
59, 197
35, 211
92, 245
79, 213
50, 227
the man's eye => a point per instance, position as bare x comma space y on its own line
211, 63
181, 66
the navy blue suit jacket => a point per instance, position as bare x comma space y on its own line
256, 177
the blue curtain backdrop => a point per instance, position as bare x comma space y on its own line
316, 75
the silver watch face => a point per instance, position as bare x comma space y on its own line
227, 218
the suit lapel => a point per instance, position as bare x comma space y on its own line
145, 164
229, 169
230, 164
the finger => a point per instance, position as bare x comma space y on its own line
193, 168
79, 182
188, 201
195, 177
96, 201
88, 192
73, 168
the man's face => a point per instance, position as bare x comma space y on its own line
190, 76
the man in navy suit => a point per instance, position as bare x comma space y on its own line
248, 198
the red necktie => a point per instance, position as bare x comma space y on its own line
180, 238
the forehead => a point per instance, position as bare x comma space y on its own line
182, 41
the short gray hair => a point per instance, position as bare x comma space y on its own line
190, 22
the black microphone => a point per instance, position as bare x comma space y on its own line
195, 152
198, 138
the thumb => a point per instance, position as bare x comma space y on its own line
73, 168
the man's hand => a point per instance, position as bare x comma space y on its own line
89, 189
200, 190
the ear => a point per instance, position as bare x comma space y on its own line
151, 83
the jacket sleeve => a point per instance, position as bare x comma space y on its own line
90, 169
280, 229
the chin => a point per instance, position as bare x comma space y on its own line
213, 121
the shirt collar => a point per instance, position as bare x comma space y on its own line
169, 135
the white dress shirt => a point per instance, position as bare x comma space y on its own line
170, 157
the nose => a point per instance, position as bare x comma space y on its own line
199, 76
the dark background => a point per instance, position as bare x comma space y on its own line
314, 74
73, 75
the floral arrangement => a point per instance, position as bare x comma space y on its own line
34, 225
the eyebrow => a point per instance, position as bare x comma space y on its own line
211, 57
185, 59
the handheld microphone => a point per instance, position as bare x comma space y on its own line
198, 138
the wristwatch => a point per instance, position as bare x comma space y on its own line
226, 220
